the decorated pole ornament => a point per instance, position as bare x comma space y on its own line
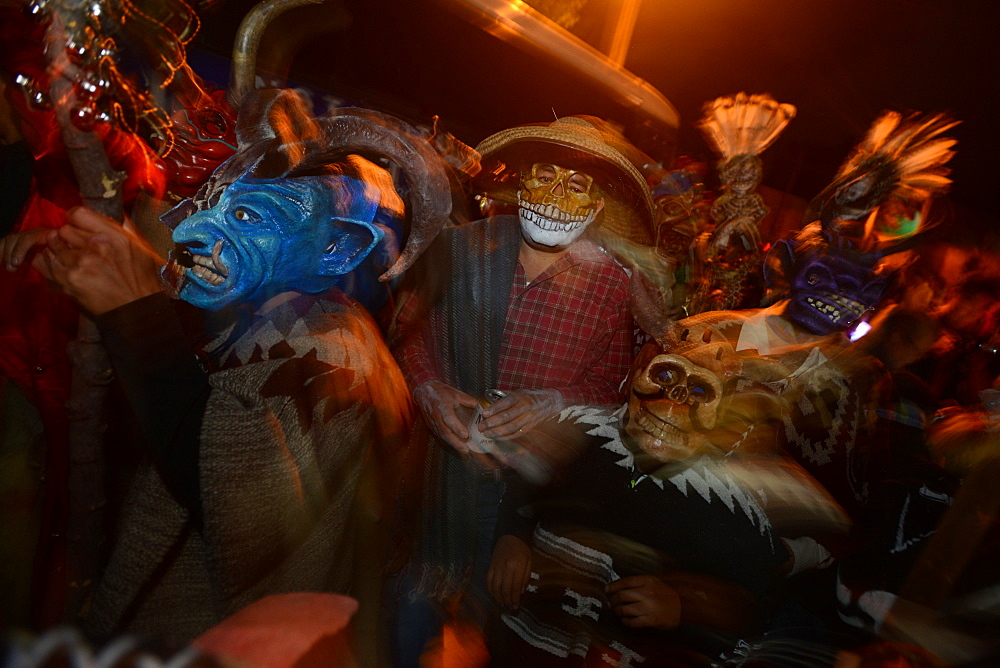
100, 184
739, 128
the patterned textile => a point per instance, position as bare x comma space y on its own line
603, 523
572, 318
896, 532
466, 323
303, 395
569, 329
833, 394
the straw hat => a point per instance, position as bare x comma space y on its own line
574, 142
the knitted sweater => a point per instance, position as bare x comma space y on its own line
297, 403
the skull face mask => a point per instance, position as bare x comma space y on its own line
691, 393
556, 205
673, 400
266, 236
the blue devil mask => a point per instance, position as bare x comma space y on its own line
298, 209
836, 267
266, 236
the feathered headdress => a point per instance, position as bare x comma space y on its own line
744, 124
901, 161
913, 147
876, 207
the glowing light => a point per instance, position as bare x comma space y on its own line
860, 330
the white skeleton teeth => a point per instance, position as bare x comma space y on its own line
207, 275
550, 217
549, 224
210, 268
662, 432
831, 310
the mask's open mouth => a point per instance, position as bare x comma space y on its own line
208, 268
837, 307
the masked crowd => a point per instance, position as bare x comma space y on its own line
606, 423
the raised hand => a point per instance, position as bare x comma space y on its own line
99, 263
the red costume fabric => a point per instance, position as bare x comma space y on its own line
38, 323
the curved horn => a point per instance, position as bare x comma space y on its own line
373, 133
647, 306
248, 37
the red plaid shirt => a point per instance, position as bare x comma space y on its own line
569, 329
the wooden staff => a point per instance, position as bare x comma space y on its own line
101, 190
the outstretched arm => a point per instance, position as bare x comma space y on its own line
440, 404
165, 385
114, 275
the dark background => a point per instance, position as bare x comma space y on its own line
840, 62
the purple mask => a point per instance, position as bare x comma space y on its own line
829, 293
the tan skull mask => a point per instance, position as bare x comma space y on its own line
691, 392
672, 400
557, 204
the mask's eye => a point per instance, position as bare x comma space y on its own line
241, 214
664, 375
812, 279
699, 393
